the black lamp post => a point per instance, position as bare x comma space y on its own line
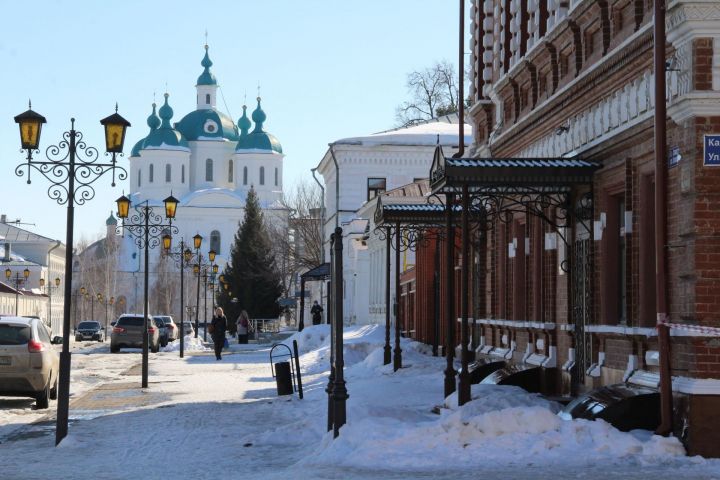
71, 167
182, 257
49, 291
197, 243
18, 280
147, 228
202, 269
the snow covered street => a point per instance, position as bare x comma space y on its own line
203, 418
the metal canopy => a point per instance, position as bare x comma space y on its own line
321, 272
511, 175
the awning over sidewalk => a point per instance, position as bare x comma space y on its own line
321, 272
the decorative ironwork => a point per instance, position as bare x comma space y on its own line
146, 227
582, 308
70, 159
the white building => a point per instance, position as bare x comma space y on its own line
209, 162
44, 258
355, 171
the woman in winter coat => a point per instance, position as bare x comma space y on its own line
219, 324
243, 324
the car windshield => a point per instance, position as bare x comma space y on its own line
159, 322
89, 325
14, 334
130, 321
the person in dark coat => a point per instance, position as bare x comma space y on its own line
219, 323
243, 325
316, 312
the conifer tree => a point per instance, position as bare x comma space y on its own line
251, 271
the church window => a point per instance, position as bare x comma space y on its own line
244, 175
168, 173
215, 241
182, 174
262, 175
207, 98
139, 178
151, 173
208, 170
276, 176
230, 171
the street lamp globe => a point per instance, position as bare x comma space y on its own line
167, 241
26, 273
100, 297
8, 273
30, 125
123, 206
41, 282
222, 278
197, 241
188, 255
196, 269
211, 255
115, 127
171, 204
57, 281
215, 269
82, 291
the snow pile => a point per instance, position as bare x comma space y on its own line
192, 344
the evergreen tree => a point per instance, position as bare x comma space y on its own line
251, 271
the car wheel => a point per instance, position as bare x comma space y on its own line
114, 349
54, 391
42, 399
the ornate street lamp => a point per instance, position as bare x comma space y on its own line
72, 167
182, 257
197, 243
148, 230
49, 288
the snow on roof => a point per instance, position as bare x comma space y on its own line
11, 233
424, 134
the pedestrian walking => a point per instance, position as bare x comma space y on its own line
218, 327
243, 325
316, 312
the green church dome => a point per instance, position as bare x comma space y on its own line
244, 122
111, 220
206, 78
153, 122
208, 124
258, 139
165, 137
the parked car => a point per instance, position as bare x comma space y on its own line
89, 330
29, 365
188, 328
163, 330
128, 333
173, 331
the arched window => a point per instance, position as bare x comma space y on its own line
151, 173
182, 174
207, 98
262, 175
139, 178
230, 171
244, 175
168, 173
215, 241
208, 170
276, 176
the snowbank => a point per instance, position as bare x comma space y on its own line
192, 344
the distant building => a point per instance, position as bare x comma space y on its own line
44, 258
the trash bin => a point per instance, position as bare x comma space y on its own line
283, 378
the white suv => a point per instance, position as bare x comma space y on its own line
29, 365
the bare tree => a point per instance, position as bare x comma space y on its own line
433, 91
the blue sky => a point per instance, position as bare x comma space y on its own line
328, 69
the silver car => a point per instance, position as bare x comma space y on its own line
29, 365
172, 329
128, 333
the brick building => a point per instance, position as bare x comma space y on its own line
574, 295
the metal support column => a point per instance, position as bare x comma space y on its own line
397, 353
388, 350
340, 394
449, 295
464, 391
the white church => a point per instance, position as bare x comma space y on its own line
209, 163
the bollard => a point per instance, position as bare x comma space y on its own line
283, 378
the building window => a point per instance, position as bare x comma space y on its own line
375, 186
168, 173
182, 174
207, 98
244, 175
215, 241
230, 171
615, 267
139, 178
151, 174
262, 175
208, 170
276, 176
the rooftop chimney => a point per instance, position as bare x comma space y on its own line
3, 218
7, 253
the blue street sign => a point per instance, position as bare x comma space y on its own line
711, 151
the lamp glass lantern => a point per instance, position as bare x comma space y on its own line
123, 206
99, 297
167, 241
171, 204
83, 290
197, 241
30, 124
8, 273
57, 281
41, 282
215, 268
188, 255
26, 273
196, 268
222, 278
211, 255
115, 127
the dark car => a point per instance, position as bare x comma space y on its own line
164, 334
89, 330
128, 333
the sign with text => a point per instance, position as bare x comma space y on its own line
711, 151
